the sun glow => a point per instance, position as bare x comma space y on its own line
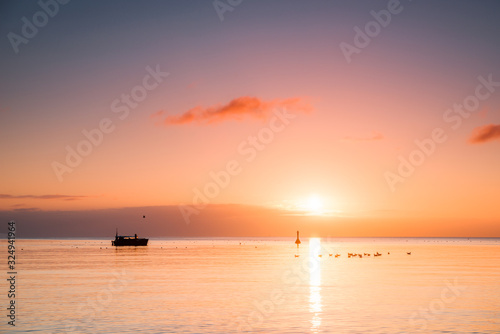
314, 205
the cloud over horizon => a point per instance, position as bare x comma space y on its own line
236, 109
26, 210
61, 197
485, 133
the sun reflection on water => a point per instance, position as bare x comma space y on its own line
315, 305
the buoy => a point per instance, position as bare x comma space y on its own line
297, 242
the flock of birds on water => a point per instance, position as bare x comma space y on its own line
349, 255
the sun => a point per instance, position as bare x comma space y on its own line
314, 205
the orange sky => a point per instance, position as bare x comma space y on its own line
259, 112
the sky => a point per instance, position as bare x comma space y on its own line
250, 118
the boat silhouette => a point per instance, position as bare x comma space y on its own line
126, 240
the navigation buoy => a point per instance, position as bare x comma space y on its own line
297, 242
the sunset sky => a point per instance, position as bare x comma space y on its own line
313, 124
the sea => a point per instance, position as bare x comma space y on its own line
254, 285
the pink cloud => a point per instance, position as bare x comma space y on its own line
237, 109
486, 133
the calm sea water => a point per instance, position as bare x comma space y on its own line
248, 285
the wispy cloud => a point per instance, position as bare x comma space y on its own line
375, 136
156, 114
237, 109
53, 197
486, 133
194, 84
26, 210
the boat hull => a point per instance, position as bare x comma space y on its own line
130, 242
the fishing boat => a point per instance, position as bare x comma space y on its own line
126, 240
